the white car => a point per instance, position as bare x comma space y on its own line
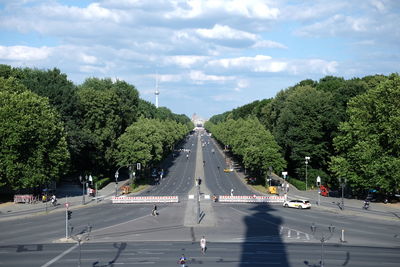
297, 203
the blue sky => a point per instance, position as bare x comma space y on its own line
210, 55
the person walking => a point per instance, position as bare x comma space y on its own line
182, 260
203, 243
154, 211
232, 192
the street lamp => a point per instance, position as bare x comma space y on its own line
307, 159
270, 175
342, 183
319, 189
285, 185
116, 181
323, 238
83, 182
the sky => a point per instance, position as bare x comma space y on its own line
208, 56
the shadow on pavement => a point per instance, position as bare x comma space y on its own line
263, 245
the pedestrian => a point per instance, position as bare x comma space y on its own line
232, 192
154, 211
203, 245
182, 260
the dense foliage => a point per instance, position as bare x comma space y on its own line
368, 146
33, 147
249, 140
51, 128
147, 140
348, 128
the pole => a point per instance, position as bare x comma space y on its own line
319, 196
66, 217
322, 252
95, 193
342, 196
83, 192
306, 174
342, 238
79, 243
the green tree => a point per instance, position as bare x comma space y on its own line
148, 140
251, 142
368, 146
304, 127
33, 148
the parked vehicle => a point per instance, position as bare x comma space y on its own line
297, 203
324, 190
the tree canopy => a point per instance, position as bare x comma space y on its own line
33, 147
368, 144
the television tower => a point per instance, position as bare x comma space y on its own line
157, 92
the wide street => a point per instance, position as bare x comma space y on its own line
237, 234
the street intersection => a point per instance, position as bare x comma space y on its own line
238, 234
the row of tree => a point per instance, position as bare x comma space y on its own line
51, 128
349, 128
251, 142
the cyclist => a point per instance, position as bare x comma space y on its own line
182, 260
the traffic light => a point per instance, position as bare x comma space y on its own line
69, 214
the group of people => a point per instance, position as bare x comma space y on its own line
203, 247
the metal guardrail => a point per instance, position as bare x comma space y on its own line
252, 199
145, 199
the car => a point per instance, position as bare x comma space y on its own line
297, 203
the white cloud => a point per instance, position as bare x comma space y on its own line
268, 44
262, 63
200, 76
318, 66
337, 25
241, 84
190, 9
170, 78
88, 59
225, 32
310, 10
379, 5
185, 61
24, 53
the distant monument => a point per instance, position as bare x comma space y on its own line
197, 121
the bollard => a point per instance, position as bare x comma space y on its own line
342, 238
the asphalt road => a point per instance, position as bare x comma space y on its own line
237, 234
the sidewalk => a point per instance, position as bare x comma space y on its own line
11, 210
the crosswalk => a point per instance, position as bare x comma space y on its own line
285, 234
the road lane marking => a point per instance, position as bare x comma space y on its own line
59, 256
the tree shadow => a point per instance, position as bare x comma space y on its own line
120, 247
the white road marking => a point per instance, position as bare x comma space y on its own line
59, 256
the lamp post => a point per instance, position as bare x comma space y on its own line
319, 189
322, 238
307, 159
285, 185
83, 182
270, 175
116, 181
342, 182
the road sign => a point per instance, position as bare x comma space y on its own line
318, 180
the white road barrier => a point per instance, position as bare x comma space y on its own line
251, 199
145, 199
